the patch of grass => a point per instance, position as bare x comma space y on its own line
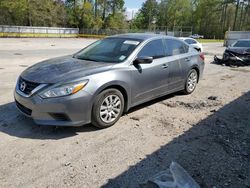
210, 40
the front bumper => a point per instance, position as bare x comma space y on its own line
241, 59
73, 110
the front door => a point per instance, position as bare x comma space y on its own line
150, 80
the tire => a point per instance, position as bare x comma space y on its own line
107, 108
191, 82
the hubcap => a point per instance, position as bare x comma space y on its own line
192, 81
110, 108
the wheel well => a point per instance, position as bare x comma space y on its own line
197, 48
123, 91
198, 72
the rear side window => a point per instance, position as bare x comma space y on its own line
190, 41
153, 49
175, 47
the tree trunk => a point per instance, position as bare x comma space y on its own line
104, 10
96, 4
241, 15
29, 15
245, 17
236, 13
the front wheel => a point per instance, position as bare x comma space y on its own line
108, 108
191, 82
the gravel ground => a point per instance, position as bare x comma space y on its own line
208, 132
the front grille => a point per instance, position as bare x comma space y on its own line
29, 86
23, 109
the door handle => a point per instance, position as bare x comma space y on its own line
187, 59
164, 66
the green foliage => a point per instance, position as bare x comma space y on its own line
116, 21
207, 17
13, 12
84, 14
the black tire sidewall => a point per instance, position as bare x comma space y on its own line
95, 116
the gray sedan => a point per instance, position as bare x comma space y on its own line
101, 82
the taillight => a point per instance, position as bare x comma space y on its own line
202, 56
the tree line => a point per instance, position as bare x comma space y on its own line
63, 13
211, 18
207, 17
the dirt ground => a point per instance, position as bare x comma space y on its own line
207, 133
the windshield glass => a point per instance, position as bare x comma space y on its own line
113, 50
242, 43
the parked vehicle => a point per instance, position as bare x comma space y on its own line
237, 54
196, 36
97, 84
232, 36
192, 42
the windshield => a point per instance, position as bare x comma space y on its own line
113, 50
242, 43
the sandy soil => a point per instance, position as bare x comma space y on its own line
208, 136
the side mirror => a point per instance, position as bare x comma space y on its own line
143, 60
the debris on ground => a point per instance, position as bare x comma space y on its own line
18, 54
212, 102
174, 177
214, 98
67, 164
135, 118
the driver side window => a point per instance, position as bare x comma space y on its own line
153, 49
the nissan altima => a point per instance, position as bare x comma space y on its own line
102, 81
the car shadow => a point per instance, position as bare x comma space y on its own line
215, 151
13, 123
154, 101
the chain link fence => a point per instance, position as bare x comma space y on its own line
108, 32
28, 31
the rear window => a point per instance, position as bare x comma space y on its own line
190, 41
153, 49
175, 47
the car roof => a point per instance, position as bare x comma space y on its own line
244, 40
184, 38
140, 36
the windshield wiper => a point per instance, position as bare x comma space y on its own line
87, 59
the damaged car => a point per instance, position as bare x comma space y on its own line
238, 54
104, 80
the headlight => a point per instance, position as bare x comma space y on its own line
64, 90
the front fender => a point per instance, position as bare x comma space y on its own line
116, 79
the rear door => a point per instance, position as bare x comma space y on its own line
177, 52
150, 80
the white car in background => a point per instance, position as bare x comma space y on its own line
192, 42
196, 36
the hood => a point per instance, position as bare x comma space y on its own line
63, 68
237, 50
